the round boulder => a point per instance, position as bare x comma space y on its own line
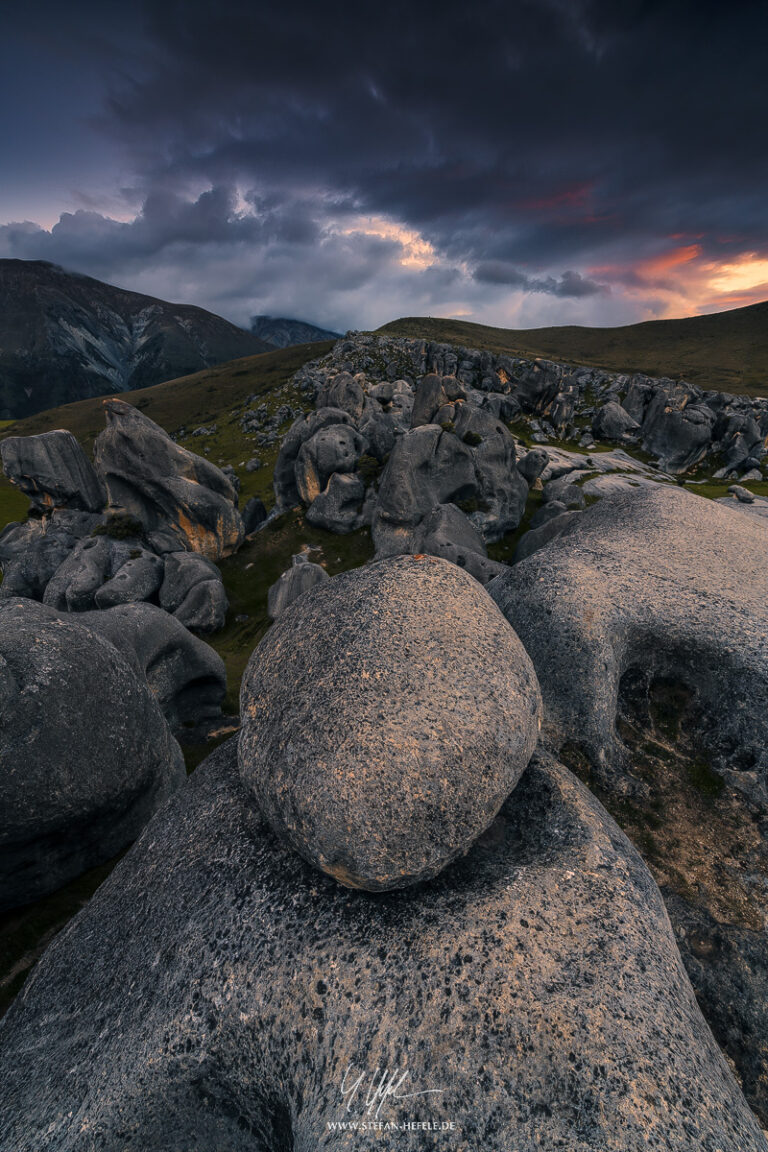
386, 718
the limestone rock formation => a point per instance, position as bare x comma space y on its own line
164, 486
53, 471
85, 754
376, 737
31, 553
218, 992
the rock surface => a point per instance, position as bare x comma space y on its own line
299, 578
53, 471
78, 780
164, 486
217, 990
376, 737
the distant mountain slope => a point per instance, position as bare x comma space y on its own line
725, 351
283, 333
65, 337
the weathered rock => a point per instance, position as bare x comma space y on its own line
433, 393
533, 464
334, 448
551, 529
340, 507
86, 754
253, 464
193, 591
91, 564
449, 534
655, 579
300, 577
204, 608
53, 471
286, 492
138, 579
186, 676
164, 486
541, 968
254, 515
675, 429
613, 422
547, 512
381, 795
743, 495
343, 392
30, 553
500, 489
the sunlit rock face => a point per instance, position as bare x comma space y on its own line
167, 488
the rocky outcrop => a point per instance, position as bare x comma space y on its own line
53, 471
192, 590
165, 487
658, 594
370, 705
78, 781
32, 552
533, 989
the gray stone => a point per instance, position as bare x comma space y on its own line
254, 515
613, 422
379, 795
743, 495
340, 507
344, 392
30, 553
86, 753
286, 492
547, 512
92, 562
183, 570
138, 579
449, 534
53, 471
675, 429
547, 530
534, 988
164, 486
204, 608
299, 578
253, 464
662, 581
533, 464
187, 677
334, 448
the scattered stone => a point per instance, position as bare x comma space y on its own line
253, 464
743, 495
380, 795
254, 515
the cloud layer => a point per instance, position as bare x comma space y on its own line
540, 161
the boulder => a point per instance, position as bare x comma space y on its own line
421, 739
139, 578
659, 580
613, 422
340, 507
676, 428
549, 529
219, 993
164, 486
300, 577
186, 676
30, 553
286, 492
254, 515
533, 464
92, 562
345, 392
334, 448
53, 471
194, 592
85, 752
449, 534
501, 492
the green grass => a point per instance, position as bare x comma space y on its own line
726, 351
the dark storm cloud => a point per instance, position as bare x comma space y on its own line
531, 143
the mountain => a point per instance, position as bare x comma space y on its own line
282, 333
725, 351
65, 337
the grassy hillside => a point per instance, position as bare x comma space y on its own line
726, 351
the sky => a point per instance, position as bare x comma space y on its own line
517, 163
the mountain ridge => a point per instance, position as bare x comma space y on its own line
65, 337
